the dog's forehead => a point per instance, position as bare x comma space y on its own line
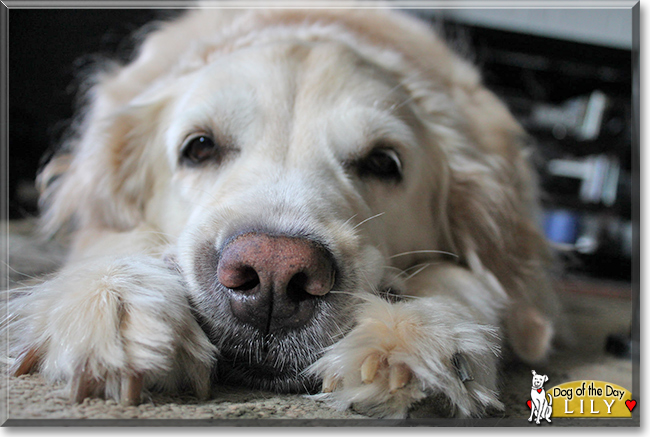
304, 89
323, 71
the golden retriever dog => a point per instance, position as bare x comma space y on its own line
318, 201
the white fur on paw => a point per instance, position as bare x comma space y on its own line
400, 353
110, 328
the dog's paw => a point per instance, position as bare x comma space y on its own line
110, 329
401, 353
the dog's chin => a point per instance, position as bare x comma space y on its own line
272, 362
264, 376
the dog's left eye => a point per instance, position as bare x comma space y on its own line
381, 163
199, 149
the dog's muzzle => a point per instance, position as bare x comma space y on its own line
273, 281
267, 301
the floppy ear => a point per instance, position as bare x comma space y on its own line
488, 212
545, 378
493, 212
105, 177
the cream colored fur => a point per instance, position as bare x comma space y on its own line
296, 95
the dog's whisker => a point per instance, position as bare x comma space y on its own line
35, 278
349, 293
414, 267
333, 337
425, 266
373, 288
395, 88
402, 272
406, 271
164, 234
350, 219
19, 291
401, 83
393, 267
406, 101
333, 321
21, 287
368, 219
338, 291
442, 252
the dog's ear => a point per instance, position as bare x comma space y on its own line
545, 378
105, 176
99, 177
489, 213
494, 215
534, 373
493, 209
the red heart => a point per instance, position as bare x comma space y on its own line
529, 403
630, 405
539, 390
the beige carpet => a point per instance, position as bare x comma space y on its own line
595, 310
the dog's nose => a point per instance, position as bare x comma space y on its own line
274, 281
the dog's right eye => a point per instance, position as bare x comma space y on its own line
199, 149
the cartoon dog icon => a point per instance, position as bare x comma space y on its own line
540, 404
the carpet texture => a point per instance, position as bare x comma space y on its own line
595, 311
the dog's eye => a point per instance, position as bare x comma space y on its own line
382, 163
199, 149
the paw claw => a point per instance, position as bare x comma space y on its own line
463, 369
369, 368
84, 385
131, 391
329, 384
80, 386
26, 362
399, 375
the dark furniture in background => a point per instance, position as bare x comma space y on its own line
575, 100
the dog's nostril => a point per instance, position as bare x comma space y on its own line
239, 277
297, 287
297, 283
249, 280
